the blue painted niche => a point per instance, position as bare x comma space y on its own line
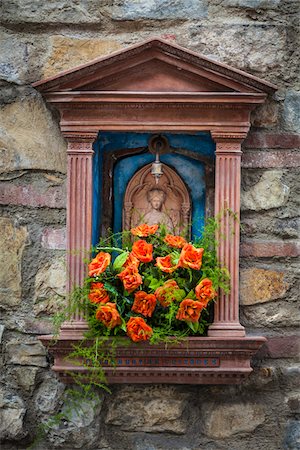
190, 170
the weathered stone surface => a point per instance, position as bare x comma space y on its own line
54, 238
157, 412
286, 228
29, 325
67, 53
48, 394
269, 192
292, 436
1, 332
12, 243
265, 115
21, 56
252, 3
271, 315
56, 12
270, 159
225, 420
29, 138
25, 377
159, 9
280, 347
50, 286
265, 249
27, 195
291, 111
272, 140
26, 353
234, 45
81, 426
259, 286
12, 411
293, 402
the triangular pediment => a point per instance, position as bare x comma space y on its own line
154, 66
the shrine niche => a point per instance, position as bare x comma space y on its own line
156, 87
166, 202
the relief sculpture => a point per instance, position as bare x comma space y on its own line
166, 202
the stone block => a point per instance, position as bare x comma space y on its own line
260, 285
80, 427
291, 111
54, 238
272, 140
53, 12
258, 50
285, 228
67, 53
12, 412
270, 192
270, 159
271, 315
224, 420
50, 287
252, 4
268, 249
292, 435
1, 332
280, 347
32, 196
29, 138
159, 9
12, 243
26, 353
48, 395
265, 115
21, 56
293, 402
158, 411
25, 377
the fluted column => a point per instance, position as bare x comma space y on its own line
79, 220
227, 207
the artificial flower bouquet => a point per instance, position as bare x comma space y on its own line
149, 285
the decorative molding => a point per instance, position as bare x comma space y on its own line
193, 361
155, 47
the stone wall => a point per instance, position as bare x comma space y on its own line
39, 39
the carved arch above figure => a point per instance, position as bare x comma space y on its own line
176, 204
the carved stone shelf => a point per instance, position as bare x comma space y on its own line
193, 361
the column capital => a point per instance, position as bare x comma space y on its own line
228, 137
80, 146
80, 143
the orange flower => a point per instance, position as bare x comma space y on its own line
164, 293
108, 315
98, 294
138, 330
144, 230
144, 303
205, 292
131, 278
175, 241
131, 261
165, 264
189, 310
99, 264
191, 257
142, 251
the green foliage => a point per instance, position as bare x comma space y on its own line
98, 348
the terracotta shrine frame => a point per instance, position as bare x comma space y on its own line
159, 87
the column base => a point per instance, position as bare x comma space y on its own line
226, 329
74, 328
